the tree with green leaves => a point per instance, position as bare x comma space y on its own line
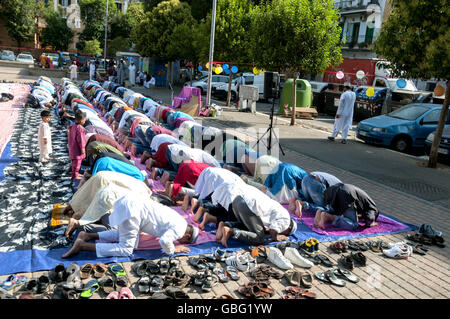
93, 15
56, 33
295, 35
20, 19
415, 39
92, 47
232, 40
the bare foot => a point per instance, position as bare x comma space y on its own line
149, 164
207, 218
324, 219
227, 232
73, 223
194, 205
75, 248
317, 218
198, 214
219, 231
291, 207
153, 174
185, 202
298, 208
169, 189
164, 178
145, 157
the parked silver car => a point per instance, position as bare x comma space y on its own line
202, 83
7, 55
25, 58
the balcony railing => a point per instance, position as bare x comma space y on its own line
360, 42
344, 5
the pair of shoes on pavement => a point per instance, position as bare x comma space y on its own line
331, 138
398, 250
291, 256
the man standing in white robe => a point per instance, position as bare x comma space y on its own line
73, 71
132, 215
344, 115
132, 69
92, 71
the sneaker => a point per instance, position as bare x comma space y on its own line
392, 245
399, 252
242, 262
294, 257
276, 257
428, 231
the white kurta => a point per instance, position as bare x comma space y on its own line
133, 215
44, 133
181, 153
273, 215
92, 71
163, 138
212, 177
227, 192
345, 112
73, 72
132, 69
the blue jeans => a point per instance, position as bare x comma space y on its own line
140, 148
149, 135
348, 220
313, 191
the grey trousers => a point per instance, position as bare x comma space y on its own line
96, 228
254, 233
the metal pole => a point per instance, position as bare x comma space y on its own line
211, 53
106, 30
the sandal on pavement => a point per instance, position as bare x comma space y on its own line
232, 273
306, 279
258, 274
346, 274
117, 270
351, 244
92, 286
299, 292
221, 274
176, 293
108, 285
122, 281
140, 268
163, 266
156, 283
293, 277
325, 261
199, 277
152, 267
329, 274
13, 281
210, 281
86, 270
99, 270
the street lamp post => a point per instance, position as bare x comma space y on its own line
106, 30
211, 52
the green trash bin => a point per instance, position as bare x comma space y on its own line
304, 94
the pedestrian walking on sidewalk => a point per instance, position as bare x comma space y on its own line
344, 115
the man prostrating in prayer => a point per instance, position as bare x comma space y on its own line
132, 215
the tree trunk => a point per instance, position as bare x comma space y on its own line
437, 136
294, 98
229, 88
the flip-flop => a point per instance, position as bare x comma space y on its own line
86, 270
125, 293
352, 245
232, 272
117, 270
93, 286
325, 261
99, 270
329, 274
346, 274
221, 274
300, 292
321, 276
418, 249
419, 238
362, 246
374, 246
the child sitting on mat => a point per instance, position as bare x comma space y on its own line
77, 142
45, 137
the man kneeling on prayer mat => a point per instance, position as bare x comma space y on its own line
132, 215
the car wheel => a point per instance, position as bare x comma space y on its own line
401, 143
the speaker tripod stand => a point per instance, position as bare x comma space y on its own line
270, 131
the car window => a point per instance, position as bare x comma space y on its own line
249, 79
409, 112
432, 117
380, 83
